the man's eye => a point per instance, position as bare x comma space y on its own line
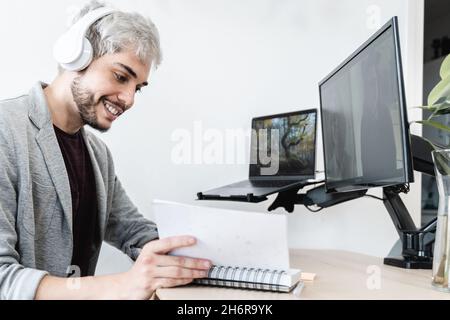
120, 78
139, 90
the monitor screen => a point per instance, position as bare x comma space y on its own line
364, 118
284, 145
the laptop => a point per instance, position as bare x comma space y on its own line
283, 155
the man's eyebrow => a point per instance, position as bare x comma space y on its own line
130, 71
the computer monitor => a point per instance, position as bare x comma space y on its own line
364, 118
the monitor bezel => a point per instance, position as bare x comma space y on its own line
345, 185
282, 115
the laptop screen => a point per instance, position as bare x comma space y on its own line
284, 145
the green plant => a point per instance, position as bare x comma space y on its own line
438, 103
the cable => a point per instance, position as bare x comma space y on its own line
313, 210
375, 197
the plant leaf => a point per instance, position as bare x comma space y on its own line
434, 124
439, 109
440, 92
442, 100
430, 108
442, 163
433, 107
445, 68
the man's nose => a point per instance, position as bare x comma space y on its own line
127, 97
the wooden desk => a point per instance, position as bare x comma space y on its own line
339, 275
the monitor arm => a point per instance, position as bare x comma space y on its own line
417, 244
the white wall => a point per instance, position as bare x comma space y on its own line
225, 62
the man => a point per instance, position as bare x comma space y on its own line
59, 195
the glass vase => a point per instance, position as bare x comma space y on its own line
441, 254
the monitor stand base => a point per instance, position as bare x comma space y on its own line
408, 263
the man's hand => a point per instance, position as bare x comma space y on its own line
155, 269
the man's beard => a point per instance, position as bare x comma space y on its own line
85, 102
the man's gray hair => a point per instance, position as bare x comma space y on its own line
121, 31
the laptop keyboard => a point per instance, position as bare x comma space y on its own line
263, 183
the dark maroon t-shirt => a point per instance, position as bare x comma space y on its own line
86, 233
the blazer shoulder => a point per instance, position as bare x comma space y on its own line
15, 107
14, 114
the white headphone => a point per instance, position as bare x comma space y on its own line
73, 51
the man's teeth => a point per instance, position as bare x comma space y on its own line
112, 109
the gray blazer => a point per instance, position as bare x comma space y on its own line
35, 200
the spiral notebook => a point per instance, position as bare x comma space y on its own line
249, 250
252, 278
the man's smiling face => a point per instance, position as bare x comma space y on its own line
105, 90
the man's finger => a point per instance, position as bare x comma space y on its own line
169, 283
166, 245
179, 273
183, 262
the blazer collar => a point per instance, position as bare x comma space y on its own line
39, 113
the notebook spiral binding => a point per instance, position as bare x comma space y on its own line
242, 278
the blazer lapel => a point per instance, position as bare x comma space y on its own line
46, 139
100, 186
48, 143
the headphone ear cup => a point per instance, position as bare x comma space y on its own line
83, 60
86, 55
73, 51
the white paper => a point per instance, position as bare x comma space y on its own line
226, 237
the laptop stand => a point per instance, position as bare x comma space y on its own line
250, 197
